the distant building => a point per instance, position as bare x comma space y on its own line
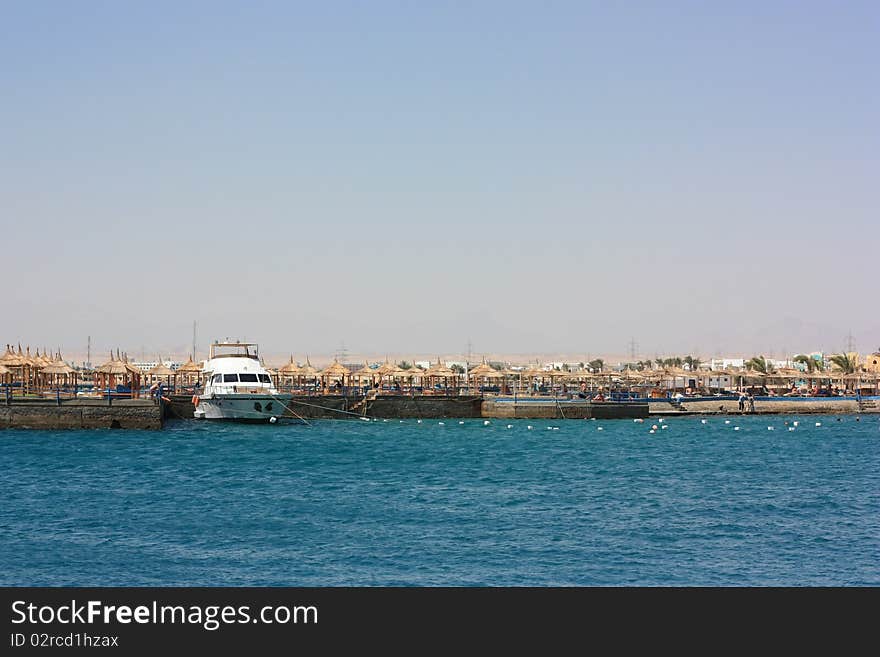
726, 363
872, 362
146, 366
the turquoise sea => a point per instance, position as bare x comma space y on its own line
408, 503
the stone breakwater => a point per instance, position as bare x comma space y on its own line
145, 414
81, 414
777, 406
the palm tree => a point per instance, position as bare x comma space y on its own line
759, 364
844, 362
596, 365
659, 362
692, 363
811, 363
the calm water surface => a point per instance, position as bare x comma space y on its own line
407, 503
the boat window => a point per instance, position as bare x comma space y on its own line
217, 378
248, 378
265, 378
230, 378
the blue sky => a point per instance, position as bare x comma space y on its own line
554, 176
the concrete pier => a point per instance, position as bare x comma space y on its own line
80, 414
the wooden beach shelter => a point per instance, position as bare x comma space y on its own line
20, 366
163, 370
189, 372
5, 377
410, 375
514, 376
484, 372
385, 370
864, 382
117, 372
14, 365
59, 373
307, 372
439, 371
289, 371
335, 371
366, 372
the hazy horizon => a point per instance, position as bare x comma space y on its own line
406, 179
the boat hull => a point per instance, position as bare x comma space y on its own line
243, 408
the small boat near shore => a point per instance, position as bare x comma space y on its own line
237, 387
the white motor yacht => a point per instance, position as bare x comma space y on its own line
238, 387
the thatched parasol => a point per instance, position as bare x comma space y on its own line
113, 366
439, 370
11, 359
289, 369
307, 370
386, 369
484, 371
58, 367
335, 370
161, 370
365, 371
189, 367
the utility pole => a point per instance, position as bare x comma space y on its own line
850, 343
632, 349
194, 341
89, 354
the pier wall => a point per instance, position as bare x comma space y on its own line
81, 414
767, 407
550, 410
339, 407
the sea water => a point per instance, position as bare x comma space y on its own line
407, 503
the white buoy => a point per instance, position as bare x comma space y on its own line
651, 431
664, 426
365, 419
726, 421
529, 427
791, 428
485, 423
599, 429
795, 423
462, 422
555, 428
273, 420
654, 426
704, 421
384, 420
419, 421
441, 423
769, 428
510, 426
818, 424
736, 428
401, 421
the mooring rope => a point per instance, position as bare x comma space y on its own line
290, 409
327, 408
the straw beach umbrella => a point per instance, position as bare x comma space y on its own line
58, 369
5, 376
289, 371
440, 371
163, 370
334, 371
484, 371
366, 372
